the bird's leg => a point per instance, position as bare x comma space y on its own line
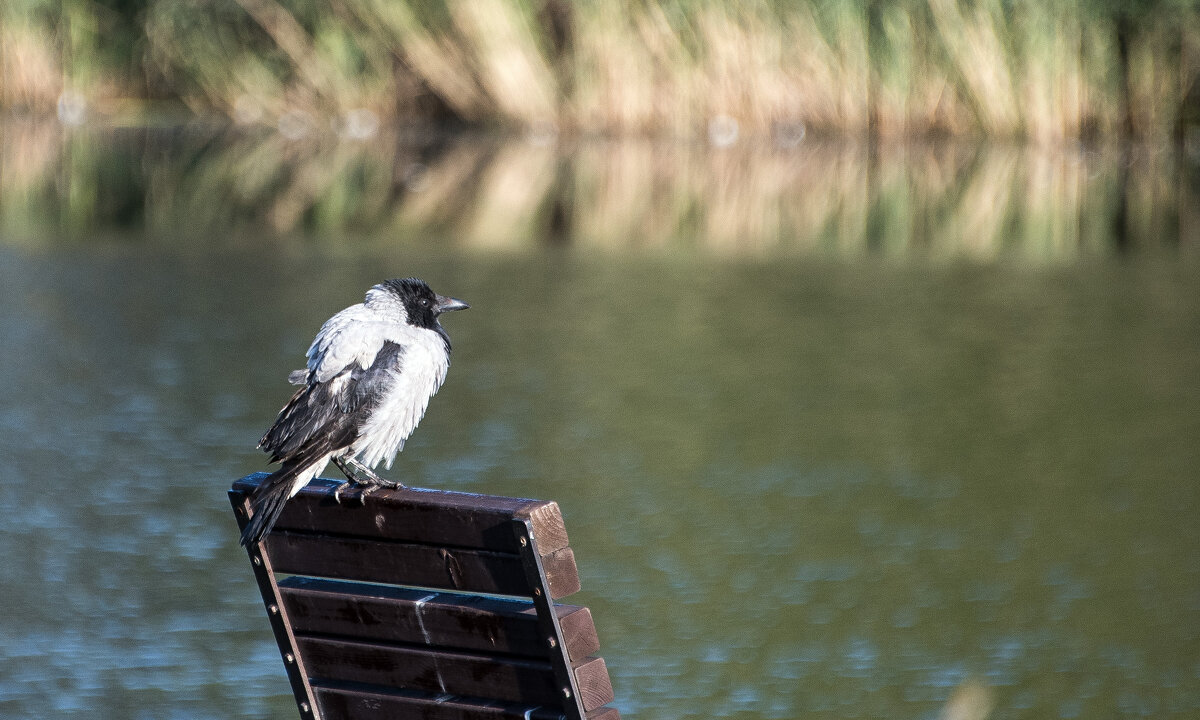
358, 474
367, 475
351, 479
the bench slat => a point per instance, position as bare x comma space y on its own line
347, 702
448, 518
417, 565
393, 614
455, 673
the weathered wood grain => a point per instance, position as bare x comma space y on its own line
595, 688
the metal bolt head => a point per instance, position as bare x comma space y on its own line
273, 608
290, 658
524, 541
304, 707
257, 560
567, 693
553, 642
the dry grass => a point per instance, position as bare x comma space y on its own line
30, 76
700, 68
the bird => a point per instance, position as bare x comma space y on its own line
372, 370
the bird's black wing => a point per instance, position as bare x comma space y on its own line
324, 417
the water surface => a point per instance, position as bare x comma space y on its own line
820, 483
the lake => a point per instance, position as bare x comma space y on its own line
838, 431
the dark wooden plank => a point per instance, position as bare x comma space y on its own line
457, 673
354, 703
410, 514
397, 563
341, 701
417, 565
595, 687
394, 614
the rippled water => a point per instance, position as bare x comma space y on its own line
797, 486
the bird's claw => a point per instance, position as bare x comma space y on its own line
361, 475
365, 489
362, 494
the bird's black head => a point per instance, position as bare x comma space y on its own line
421, 303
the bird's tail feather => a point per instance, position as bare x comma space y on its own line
268, 502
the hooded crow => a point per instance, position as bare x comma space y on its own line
372, 370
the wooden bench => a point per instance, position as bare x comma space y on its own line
427, 604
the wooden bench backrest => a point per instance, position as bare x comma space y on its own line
427, 604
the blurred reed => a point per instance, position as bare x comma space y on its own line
1047, 71
757, 199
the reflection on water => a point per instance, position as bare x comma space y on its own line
811, 197
797, 488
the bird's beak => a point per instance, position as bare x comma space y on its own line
446, 304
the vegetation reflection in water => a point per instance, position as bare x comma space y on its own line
809, 197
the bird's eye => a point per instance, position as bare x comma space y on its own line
424, 302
